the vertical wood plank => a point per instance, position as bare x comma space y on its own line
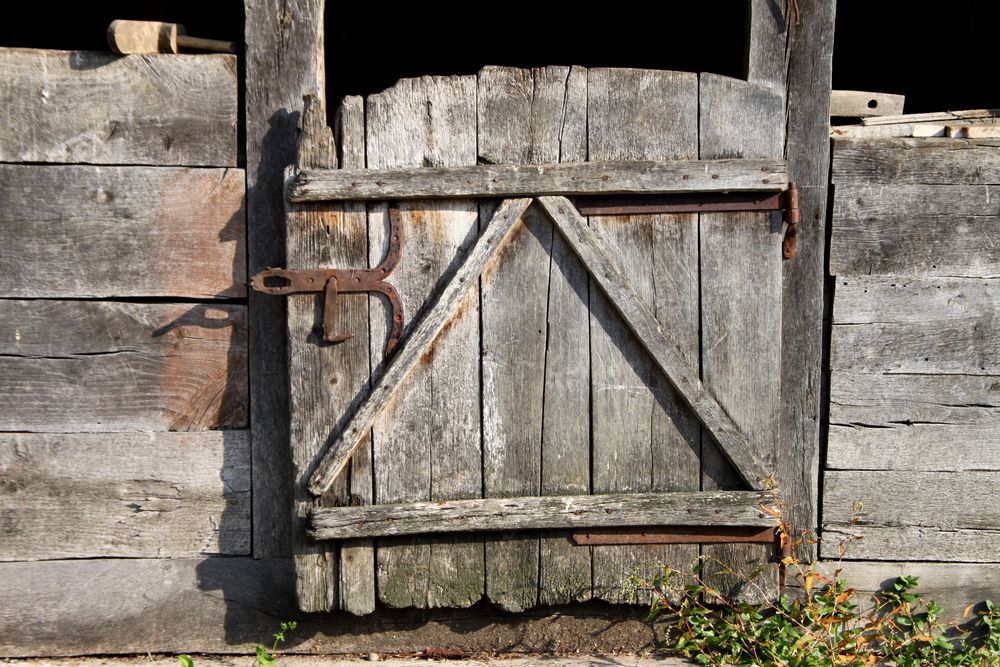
357, 557
323, 378
427, 444
643, 438
520, 118
808, 149
767, 59
565, 568
284, 61
740, 313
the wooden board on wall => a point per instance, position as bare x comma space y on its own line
99, 108
81, 231
427, 444
925, 515
71, 366
915, 230
905, 161
916, 325
124, 495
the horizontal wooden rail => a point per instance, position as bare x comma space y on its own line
694, 508
546, 179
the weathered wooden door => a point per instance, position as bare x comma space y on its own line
547, 376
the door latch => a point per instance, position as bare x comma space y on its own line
333, 282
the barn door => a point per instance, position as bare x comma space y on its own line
568, 366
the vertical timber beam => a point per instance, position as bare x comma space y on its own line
284, 62
807, 149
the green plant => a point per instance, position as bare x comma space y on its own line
825, 625
264, 656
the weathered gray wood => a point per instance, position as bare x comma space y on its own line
666, 353
767, 57
905, 161
925, 230
520, 117
565, 568
740, 261
357, 557
933, 116
679, 508
283, 62
644, 439
226, 605
74, 231
427, 442
489, 180
442, 308
863, 104
77, 106
807, 149
152, 495
917, 542
916, 325
923, 514
320, 235
954, 586
913, 422
69, 366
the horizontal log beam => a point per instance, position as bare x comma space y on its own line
546, 179
694, 508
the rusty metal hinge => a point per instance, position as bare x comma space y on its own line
786, 201
333, 282
687, 535
789, 245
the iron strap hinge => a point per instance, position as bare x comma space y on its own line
786, 201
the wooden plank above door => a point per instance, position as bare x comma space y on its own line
100, 108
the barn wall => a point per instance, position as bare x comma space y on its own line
913, 461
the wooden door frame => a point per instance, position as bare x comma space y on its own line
790, 51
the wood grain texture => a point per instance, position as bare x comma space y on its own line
953, 586
284, 62
357, 557
913, 422
644, 439
740, 261
225, 605
926, 515
520, 114
150, 495
565, 568
99, 108
665, 352
443, 305
915, 230
767, 56
862, 104
488, 180
71, 366
679, 508
916, 325
427, 443
76, 231
807, 148
323, 378
903, 161
932, 116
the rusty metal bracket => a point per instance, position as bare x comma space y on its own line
789, 245
685, 535
333, 282
786, 201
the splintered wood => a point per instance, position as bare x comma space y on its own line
552, 374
